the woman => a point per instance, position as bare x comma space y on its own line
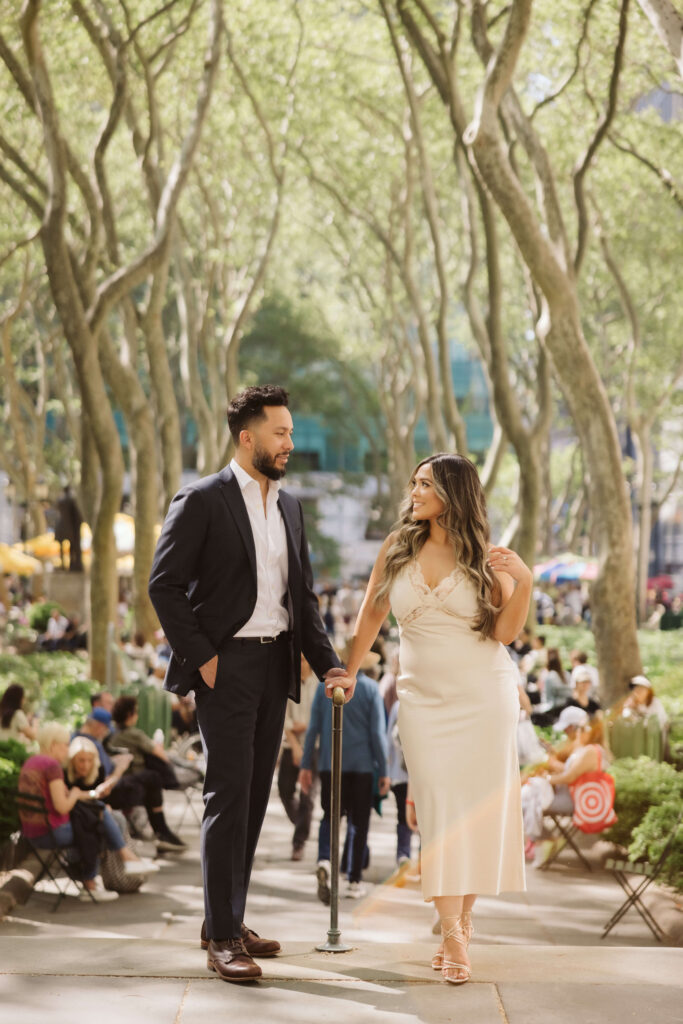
456, 604
581, 694
641, 702
14, 722
556, 688
42, 774
549, 791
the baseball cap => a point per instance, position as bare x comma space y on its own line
101, 715
570, 716
640, 681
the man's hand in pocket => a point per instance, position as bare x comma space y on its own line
208, 671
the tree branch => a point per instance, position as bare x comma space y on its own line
601, 131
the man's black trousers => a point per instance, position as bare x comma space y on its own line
240, 722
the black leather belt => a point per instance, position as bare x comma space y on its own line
261, 639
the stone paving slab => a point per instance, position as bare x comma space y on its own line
371, 962
590, 1004
67, 1000
351, 1002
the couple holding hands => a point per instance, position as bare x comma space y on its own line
233, 588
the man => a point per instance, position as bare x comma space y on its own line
233, 588
364, 757
103, 699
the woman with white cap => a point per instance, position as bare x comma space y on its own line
642, 702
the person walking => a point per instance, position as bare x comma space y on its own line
232, 585
363, 759
298, 806
457, 602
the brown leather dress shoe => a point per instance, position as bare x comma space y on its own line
230, 960
253, 943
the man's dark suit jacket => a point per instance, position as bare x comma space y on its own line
203, 581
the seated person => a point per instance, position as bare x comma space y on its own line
184, 717
83, 769
142, 653
556, 688
579, 660
642, 703
136, 792
53, 637
14, 722
548, 792
42, 774
581, 694
75, 635
150, 756
102, 699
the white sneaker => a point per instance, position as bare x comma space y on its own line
354, 891
140, 867
99, 894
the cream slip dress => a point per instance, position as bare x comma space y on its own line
458, 716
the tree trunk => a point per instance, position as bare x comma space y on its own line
165, 402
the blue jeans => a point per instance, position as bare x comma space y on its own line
64, 836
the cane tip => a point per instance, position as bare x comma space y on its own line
338, 695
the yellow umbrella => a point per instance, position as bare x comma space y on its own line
12, 560
43, 546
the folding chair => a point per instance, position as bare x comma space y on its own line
54, 857
593, 799
188, 762
621, 869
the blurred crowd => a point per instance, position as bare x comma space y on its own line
122, 773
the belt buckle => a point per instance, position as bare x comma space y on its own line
267, 639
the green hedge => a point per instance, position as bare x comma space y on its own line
649, 796
38, 614
57, 685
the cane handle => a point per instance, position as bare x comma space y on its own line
338, 695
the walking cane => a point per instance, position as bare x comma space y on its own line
333, 944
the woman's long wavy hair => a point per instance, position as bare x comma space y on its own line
11, 701
465, 520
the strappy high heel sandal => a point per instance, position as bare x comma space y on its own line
454, 930
468, 930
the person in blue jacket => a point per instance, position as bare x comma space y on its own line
364, 758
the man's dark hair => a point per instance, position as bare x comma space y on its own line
582, 658
95, 698
123, 709
249, 405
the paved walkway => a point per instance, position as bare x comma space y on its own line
537, 957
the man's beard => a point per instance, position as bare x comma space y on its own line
266, 464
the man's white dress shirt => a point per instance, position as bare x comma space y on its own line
270, 615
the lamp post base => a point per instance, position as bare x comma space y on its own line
333, 945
